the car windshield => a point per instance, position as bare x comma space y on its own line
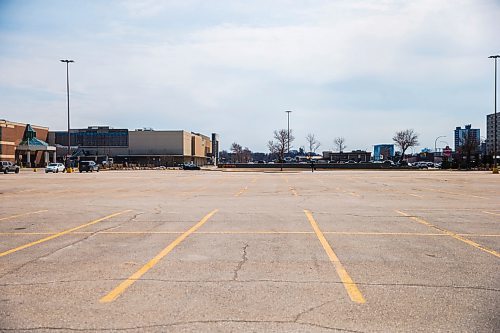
52, 164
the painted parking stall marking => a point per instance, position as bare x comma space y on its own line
120, 289
450, 233
349, 285
62, 233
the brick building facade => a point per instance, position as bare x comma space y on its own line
11, 135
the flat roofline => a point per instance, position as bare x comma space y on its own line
151, 155
22, 124
153, 131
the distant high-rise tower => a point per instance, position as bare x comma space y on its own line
468, 132
490, 129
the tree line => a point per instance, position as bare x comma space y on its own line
283, 141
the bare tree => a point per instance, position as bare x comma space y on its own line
340, 143
405, 139
312, 143
468, 146
237, 151
280, 143
246, 155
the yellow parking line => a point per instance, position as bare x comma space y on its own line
193, 191
241, 192
348, 283
456, 193
258, 232
115, 293
23, 214
451, 234
25, 233
491, 213
59, 234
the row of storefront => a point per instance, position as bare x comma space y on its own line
35, 146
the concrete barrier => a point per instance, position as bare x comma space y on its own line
317, 166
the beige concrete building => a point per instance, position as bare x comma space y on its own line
168, 147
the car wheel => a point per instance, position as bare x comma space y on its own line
17, 170
97, 169
81, 171
57, 171
5, 171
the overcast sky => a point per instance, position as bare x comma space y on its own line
358, 69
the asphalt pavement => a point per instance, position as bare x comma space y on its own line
253, 251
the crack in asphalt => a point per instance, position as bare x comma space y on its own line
243, 260
258, 281
309, 310
222, 321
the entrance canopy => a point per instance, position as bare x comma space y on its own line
31, 143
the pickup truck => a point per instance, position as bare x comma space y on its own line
6, 167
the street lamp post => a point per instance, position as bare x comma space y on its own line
67, 93
288, 138
495, 153
435, 142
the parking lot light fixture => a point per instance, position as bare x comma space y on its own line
435, 142
67, 93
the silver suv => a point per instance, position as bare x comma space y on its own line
6, 167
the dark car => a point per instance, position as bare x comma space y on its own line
190, 166
6, 167
88, 166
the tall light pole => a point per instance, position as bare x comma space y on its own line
67, 92
288, 138
495, 153
435, 142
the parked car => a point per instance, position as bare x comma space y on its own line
88, 166
6, 167
421, 165
189, 166
55, 168
403, 164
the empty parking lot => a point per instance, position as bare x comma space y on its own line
190, 251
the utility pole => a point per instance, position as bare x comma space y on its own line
67, 93
288, 138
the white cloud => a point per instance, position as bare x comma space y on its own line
203, 67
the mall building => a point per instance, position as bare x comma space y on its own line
25, 144
141, 146
36, 146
